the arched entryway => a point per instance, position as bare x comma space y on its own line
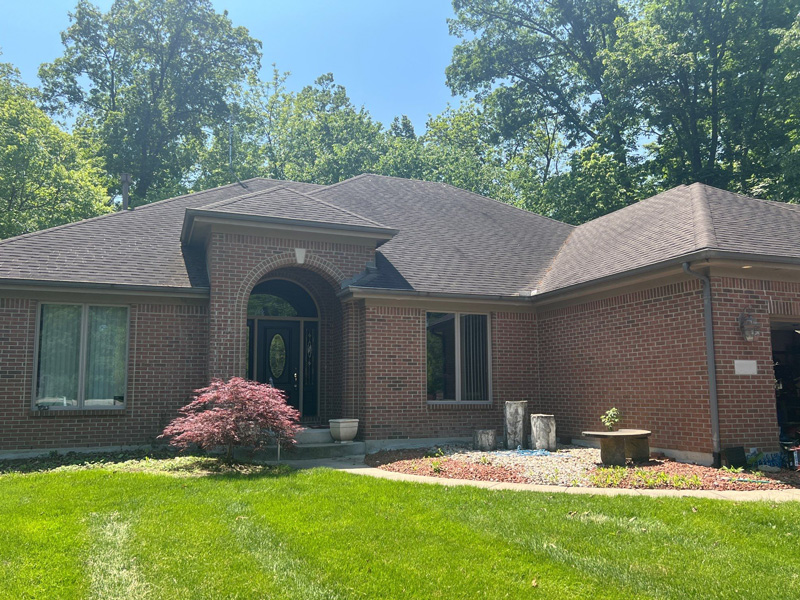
293, 318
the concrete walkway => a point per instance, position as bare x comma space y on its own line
355, 465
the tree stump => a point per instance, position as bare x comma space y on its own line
484, 440
543, 432
515, 424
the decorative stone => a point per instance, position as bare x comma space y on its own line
484, 439
637, 449
614, 445
612, 451
543, 432
515, 424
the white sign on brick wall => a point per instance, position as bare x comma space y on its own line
745, 367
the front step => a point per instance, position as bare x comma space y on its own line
312, 451
314, 436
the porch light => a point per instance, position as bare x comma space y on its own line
749, 326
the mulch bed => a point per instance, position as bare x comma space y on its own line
661, 473
414, 462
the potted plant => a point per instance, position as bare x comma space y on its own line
343, 431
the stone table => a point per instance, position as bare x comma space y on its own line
615, 446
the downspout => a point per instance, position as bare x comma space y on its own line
713, 403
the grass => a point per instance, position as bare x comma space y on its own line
191, 528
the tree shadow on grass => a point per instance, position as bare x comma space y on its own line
156, 460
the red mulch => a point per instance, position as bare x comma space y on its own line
419, 462
711, 478
414, 462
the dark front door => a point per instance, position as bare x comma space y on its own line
279, 357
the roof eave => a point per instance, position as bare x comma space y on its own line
370, 292
704, 254
378, 233
22, 284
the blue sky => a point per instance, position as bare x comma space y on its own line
389, 54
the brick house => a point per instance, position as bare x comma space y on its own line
416, 307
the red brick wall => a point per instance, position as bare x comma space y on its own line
747, 412
168, 358
237, 262
354, 357
642, 352
395, 387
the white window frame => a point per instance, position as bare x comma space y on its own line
457, 327
82, 360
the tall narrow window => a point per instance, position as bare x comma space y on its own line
457, 357
59, 355
474, 358
106, 355
82, 356
441, 356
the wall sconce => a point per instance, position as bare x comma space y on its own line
749, 327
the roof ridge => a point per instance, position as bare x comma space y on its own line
241, 197
553, 260
631, 205
338, 183
701, 215
523, 210
340, 209
444, 183
776, 203
293, 191
118, 212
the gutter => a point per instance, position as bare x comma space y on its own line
711, 359
704, 254
81, 286
362, 292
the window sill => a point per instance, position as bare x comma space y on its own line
79, 412
459, 405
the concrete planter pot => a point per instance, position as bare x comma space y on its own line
343, 431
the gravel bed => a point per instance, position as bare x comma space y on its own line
576, 466
569, 466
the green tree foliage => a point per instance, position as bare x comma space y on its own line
712, 89
316, 135
549, 58
146, 78
46, 178
644, 94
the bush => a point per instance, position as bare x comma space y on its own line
232, 414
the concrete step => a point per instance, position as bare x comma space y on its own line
314, 436
312, 451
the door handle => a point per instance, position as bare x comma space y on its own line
295, 380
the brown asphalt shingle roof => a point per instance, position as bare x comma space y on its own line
139, 247
673, 224
286, 203
448, 241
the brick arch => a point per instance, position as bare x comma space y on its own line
313, 262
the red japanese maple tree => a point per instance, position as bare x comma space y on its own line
234, 413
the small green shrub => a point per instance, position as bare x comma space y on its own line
610, 418
732, 470
608, 476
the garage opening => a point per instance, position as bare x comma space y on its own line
786, 360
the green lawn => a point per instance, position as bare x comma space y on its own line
101, 533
